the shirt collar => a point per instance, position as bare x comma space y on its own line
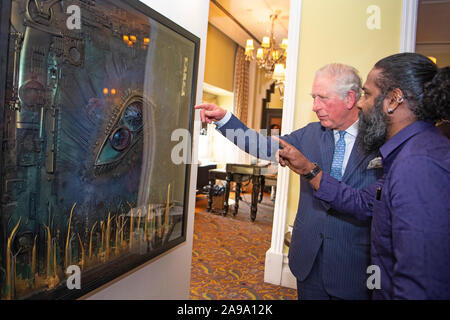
403, 135
352, 130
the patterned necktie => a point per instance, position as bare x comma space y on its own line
338, 157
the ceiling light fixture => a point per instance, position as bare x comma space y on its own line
268, 55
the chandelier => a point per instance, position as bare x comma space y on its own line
269, 57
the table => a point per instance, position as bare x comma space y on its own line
239, 173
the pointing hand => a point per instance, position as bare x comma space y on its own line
210, 112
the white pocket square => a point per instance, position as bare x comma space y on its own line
375, 163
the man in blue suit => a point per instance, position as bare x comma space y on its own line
329, 252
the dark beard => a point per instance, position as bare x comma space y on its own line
373, 124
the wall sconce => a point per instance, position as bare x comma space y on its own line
279, 75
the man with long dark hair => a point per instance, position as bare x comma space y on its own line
405, 94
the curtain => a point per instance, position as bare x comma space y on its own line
241, 83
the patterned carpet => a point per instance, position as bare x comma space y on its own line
229, 253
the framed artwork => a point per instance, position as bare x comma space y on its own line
90, 94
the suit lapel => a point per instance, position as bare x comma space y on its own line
356, 157
327, 149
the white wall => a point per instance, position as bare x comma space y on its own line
168, 276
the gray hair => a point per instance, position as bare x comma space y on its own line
346, 78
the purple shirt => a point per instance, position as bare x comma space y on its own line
410, 211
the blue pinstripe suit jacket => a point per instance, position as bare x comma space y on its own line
346, 241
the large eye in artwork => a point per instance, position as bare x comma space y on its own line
120, 139
125, 133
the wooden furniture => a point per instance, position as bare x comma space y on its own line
271, 180
203, 175
213, 175
239, 173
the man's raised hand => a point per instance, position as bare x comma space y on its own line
210, 112
289, 156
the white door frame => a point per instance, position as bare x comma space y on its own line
274, 256
409, 25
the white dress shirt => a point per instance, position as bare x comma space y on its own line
224, 120
350, 138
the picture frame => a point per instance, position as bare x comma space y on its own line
91, 95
